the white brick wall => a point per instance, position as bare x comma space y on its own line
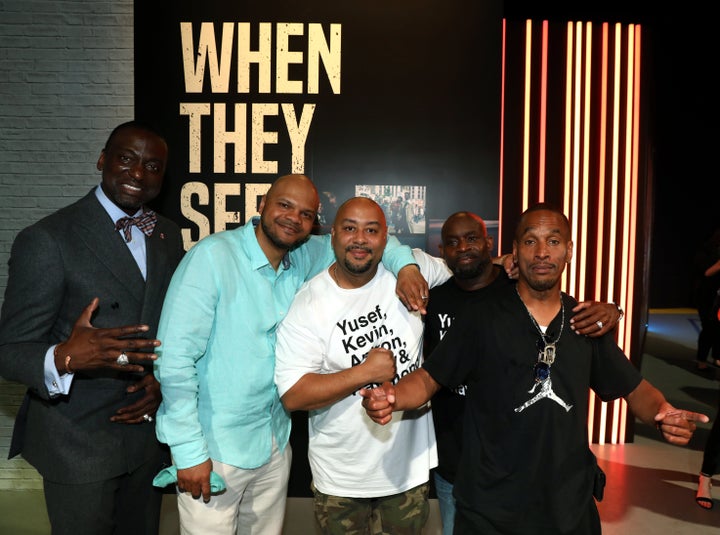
66, 79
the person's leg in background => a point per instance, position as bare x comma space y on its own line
709, 467
708, 336
446, 501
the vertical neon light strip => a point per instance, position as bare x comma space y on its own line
617, 181
624, 180
502, 138
574, 186
584, 190
567, 152
627, 174
634, 55
601, 119
602, 148
628, 256
543, 112
602, 155
526, 115
615, 122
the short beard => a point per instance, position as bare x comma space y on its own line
358, 270
471, 272
276, 241
541, 285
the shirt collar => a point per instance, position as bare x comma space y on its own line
255, 220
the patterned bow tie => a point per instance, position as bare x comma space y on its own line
145, 222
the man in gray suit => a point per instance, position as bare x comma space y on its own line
78, 324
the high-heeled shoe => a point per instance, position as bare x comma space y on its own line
703, 496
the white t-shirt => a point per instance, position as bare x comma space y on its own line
329, 329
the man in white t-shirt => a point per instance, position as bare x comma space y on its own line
347, 330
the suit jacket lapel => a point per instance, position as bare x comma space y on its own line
158, 271
96, 230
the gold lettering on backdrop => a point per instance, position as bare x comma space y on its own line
298, 132
194, 113
316, 52
236, 137
253, 195
296, 129
282, 58
259, 57
199, 192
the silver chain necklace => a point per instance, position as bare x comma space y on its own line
546, 354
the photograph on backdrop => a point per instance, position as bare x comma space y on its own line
404, 206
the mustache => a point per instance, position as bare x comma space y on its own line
543, 265
291, 224
358, 248
463, 256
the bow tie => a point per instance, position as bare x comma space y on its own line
145, 222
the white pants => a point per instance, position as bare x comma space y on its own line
253, 504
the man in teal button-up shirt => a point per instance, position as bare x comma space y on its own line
221, 411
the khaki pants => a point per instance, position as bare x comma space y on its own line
253, 504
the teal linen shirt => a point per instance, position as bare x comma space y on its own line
216, 363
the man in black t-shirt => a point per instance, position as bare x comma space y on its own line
466, 248
526, 463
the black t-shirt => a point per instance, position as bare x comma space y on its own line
526, 467
448, 405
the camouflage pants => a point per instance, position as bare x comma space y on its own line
399, 514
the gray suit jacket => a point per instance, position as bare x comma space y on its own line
56, 267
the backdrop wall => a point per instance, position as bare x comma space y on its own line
398, 100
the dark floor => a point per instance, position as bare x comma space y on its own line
650, 484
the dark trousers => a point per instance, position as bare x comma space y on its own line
124, 505
708, 342
468, 522
711, 455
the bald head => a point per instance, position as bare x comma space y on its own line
363, 205
466, 249
530, 215
287, 214
297, 183
542, 247
359, 235
467, 219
